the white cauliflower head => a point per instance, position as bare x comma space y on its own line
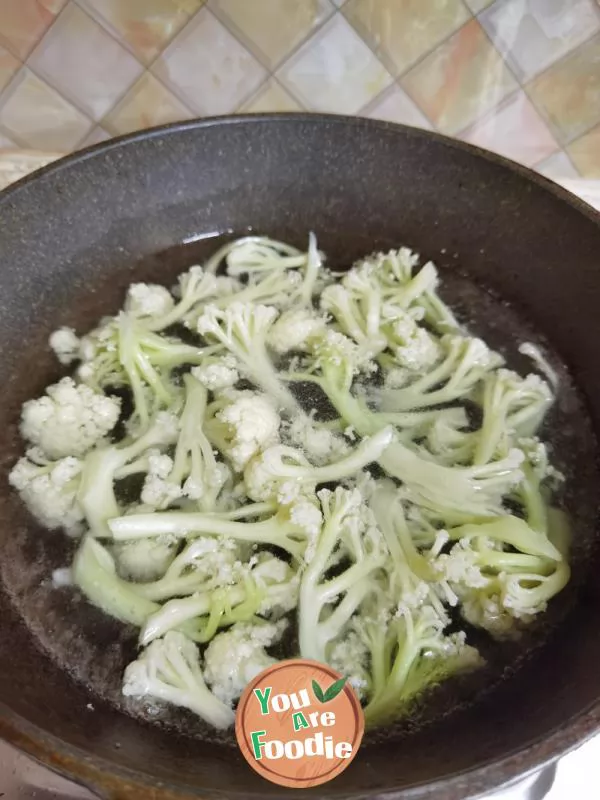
144, 559
219, 374
69, 419
235, 657
148, 300
251, 423
294, 329
49, 490
158, 491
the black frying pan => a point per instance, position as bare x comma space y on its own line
74, 235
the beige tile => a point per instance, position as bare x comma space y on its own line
97, 135
557, 167
37, 116
460, 81
8, 66
145, 26
6, 143
478, 5
208, 68
534, 35
272, 28
335, 70
270, 97
24, 22
80, 59
568, 94
146, 104
585, 153
394, 105
402, 31
514, 130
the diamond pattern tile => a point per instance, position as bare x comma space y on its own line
401, 32
144, 26
534, 36
568, 94
335, 70
24, 22
8, 66
394, 105
585, 153
271, 29
270, 97
557, 167
80, 59
97, 135
30, 99
208, 67
6, 143
460, 81
515, 130
146, 104
522, 78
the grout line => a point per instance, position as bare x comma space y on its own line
255, 50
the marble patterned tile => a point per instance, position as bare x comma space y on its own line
568, 94
144, 26
334, 71
146, 104
208, 67
394, 105
533, 34
80, 59
270, 97
514, 130
478, 5
8, 66
36, 115
271, 29
402, 32
460, 81
97, 135
6, 143
24, 22
585, 153
557, 167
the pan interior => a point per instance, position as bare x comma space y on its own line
94, 649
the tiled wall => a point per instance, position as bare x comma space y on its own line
518, 76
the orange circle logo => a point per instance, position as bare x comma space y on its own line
299, 723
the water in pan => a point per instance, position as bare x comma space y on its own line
94, 649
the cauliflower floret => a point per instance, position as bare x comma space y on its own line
69, 419
65, 344
414, 347
322, 445
49, 489
251, 423
158, 491
350, 656
219, 374
294, 329
238, 655
169, 669
145, 559
148, 300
